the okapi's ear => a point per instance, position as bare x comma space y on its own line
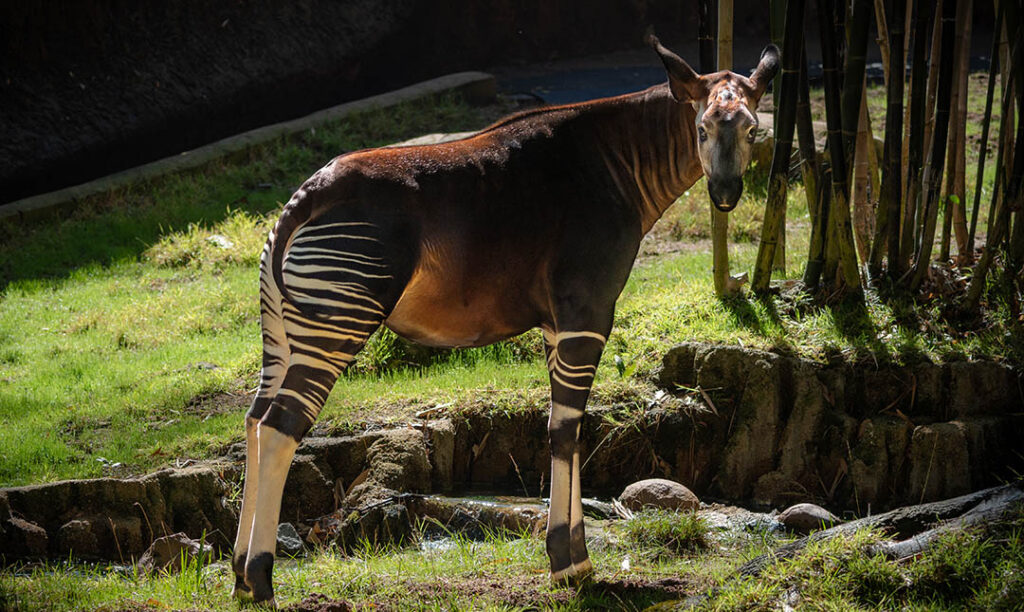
765, 71
684, 83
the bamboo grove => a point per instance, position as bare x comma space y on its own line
894, 219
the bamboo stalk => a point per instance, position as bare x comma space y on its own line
811, 175
839, 251
724, 283
853, 74
887, 228
1015, 258
955, 209
933, 179
777, 23
882, 27
915, 150
908, 27
779, 174
862, 213
933, 77
993, 66
960, 172
999, 217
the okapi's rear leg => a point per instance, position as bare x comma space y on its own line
275, 366
319, 350
340, 281
572, 362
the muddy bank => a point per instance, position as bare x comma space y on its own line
736, 425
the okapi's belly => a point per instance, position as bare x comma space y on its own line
443, 312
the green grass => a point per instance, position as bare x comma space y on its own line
982, 568
668, 533
974, 569
499, 573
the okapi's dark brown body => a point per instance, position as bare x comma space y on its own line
495, 219
533, 222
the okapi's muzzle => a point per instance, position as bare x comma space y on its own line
725, 193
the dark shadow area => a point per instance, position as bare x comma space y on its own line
631, 593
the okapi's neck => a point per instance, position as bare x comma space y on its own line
650, 149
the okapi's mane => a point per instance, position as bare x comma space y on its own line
491, 144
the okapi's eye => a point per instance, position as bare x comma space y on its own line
702, 133
751, 134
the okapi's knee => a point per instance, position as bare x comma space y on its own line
260, 406
563, 432
291, 421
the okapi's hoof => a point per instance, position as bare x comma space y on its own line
573, 576
241, 590
257, 577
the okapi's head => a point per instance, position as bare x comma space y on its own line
726, 119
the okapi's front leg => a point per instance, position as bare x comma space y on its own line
572, 361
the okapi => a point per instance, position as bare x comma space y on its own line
533, 222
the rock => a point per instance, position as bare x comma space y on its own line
20, 538
441, 437
340, 457
677, 367
398, 461
307, 492
387, 525
166, 553
878, 457
658, 493
288, 541
751, 450
805, 518
980, 387
939, 462
126, 531
599, 509
76, 538
442, 517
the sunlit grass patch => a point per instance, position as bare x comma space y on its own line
237, 239
668, 533
972, 569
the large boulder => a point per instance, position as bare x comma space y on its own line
805, 518
658, 493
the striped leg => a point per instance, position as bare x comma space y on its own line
334, 273
319, 351
275, 366
572, 361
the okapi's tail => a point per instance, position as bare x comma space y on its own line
298, 212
